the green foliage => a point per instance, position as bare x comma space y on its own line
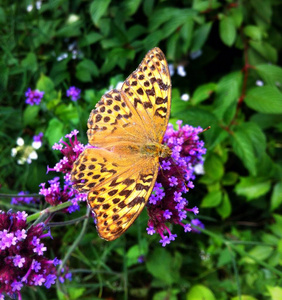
231, 51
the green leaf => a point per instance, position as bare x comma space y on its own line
266, 121
227, 93
212, 199
270, 74
256, 136
67, 113
2, 16
276, 196
214, 166
197, 117
225, 208
170, 294
252, 187
244, 297
200, 36
275, 292
268, 52
30, 62
225, 257
265, 99
45, 84
200, 292
54, 131
227, 30
236, 13
243, 148
97, 9
202, 93
30, 116
85, 70
254, 32
131, 6
148, 7
90, 39
160, 265
229, 178
258, 252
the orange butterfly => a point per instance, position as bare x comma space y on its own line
126, 131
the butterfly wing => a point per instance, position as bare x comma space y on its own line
149, 90
140, 111
118, 186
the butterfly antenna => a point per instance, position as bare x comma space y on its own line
209, 127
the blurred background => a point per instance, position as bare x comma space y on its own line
224, 59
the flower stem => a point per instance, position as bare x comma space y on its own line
48, 211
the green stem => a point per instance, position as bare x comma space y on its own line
48, 210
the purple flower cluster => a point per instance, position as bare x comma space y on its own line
166, 204
24, 200
33, 97
22, 260
55, 194
74, 93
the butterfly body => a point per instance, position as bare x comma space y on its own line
125, 131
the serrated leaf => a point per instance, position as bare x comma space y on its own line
276, 196
243, 148
256, 136
267, 51
98, 9
200, 292
252, 187
227, 30
227, 93
270, 74
212, 199
265, 99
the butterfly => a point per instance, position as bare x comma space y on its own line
119, 168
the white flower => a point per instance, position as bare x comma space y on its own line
29, 8
199, 169
259, 83
20, 141
36, 145
181, 71
14, 152
72, 18
185, 97
33, 155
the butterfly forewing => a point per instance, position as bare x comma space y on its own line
149, 90
120, 175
